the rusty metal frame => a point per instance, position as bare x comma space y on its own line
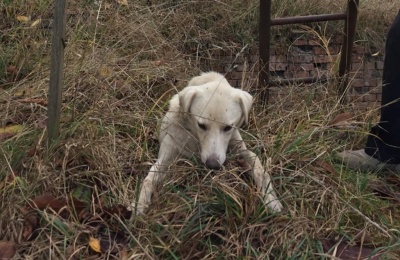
265, 23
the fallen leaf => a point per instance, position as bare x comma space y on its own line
39, 101
35, 23
9, 131
83, 193
341, 119
47, 201
342, 250
94, 244
62, 207
27, 90
122, 2
4, 136
31, 224
12, 69
23, 18
7, 250
326, 166
108, 245
120, 211
104, 71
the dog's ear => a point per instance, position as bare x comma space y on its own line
186, 97
245, 101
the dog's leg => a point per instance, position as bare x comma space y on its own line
260, 176
166, 155
155, 175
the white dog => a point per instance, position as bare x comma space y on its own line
203, 119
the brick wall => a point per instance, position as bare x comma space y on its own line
305, 57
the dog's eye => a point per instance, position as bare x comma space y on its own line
202, 126
227, 128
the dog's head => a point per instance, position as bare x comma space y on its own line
214, 112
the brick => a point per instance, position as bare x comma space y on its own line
304, 58
379, 65
316, 73
370, 97
280, 66
319, 51
272, 66
330, 66
321, 59
240, 68
255, 58
292, 67
256, 67
369, 65
357, 57
363, 105
355, 98
370, 82
296, 74
254, 51
307, 66
280, 51
300, 42
359, 49
356, 66
313, 42
357, 83
360, 90
280, 59
376, 90
338, 39
376, 73
234, 83
355, 75
236, 75
333, 50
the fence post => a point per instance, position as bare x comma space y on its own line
347, 47
264, 30
56, 71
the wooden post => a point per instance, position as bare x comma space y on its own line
56, 71
264, 28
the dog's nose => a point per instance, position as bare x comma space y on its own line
213, 163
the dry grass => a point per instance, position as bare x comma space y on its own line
122, 65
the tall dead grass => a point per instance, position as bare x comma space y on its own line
122, 65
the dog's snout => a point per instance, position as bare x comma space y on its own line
213, 163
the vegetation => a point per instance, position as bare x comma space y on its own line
123, 61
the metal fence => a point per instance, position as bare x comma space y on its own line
265, 23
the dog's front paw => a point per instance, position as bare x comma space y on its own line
137, 208
273, 203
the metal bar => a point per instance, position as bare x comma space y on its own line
308, 19
56, 71
264, 46
281, 82
347, 47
